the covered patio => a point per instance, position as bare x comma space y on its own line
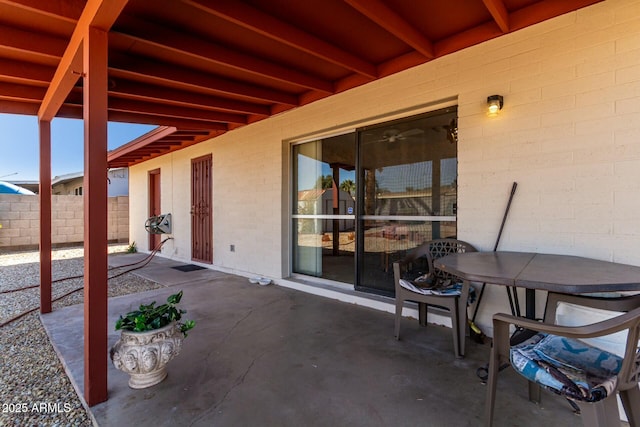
269, 355
240, 83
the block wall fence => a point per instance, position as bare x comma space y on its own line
20, 220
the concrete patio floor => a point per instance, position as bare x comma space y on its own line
273, 356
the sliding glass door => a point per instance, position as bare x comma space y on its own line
362, 199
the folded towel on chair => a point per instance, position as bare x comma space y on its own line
446, 287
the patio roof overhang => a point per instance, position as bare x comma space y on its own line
205, 67
201, 68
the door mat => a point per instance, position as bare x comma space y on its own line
188, 267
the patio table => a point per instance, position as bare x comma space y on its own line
550, 272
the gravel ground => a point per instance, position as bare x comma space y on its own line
34, 389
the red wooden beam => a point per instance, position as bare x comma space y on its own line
95, 215
388, 19
25, 72
131, 106
175, 139
140, 142
269, 26
99, 14
136, 68
72, 111
19, 92
136, 157
499, 13
118, 116
163, 38
68, 10
45, 216
194, 132
467, 38
15, 107
166, 95
46, 48
166, 145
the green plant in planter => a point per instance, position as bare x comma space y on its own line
149, 317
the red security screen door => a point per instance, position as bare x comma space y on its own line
201, 213
154, 204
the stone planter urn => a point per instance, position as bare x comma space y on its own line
144, 355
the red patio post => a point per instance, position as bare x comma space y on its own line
95, 215
45, 216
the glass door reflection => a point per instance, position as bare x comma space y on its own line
324, 208
408, 178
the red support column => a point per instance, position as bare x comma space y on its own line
95, 215
45, 216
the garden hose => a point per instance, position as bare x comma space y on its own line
144, 262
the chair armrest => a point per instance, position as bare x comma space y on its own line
624, 303
606, 327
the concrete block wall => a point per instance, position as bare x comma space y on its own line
118, 219
20, 219
67, 219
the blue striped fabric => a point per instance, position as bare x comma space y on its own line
567, 367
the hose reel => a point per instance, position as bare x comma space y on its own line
160, 224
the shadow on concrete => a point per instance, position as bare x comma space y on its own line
273, 356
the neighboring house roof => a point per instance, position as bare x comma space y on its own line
61, 179
66, 178
8, 188
118, 182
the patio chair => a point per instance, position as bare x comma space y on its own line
569, 360
452, 296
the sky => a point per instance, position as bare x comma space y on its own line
19, 145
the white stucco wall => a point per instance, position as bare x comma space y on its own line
569, 134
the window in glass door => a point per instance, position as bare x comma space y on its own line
408, 193
323, 218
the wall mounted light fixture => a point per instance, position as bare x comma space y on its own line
494, 105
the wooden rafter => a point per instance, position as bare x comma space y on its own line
388, 19
20, 92
49, 48
164, 144
18, 107
269, 26
68, 10
20, 71
74, 111
163, 38
100, 14
182, 98
136, 68
119, 116
467, 38
499, 13
124, 105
